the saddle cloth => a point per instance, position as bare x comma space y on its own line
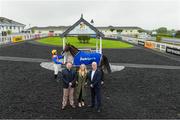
86, 58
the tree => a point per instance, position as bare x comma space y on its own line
172, 30
83, 39
32, 30
9, 32
158, 39
119, 30
112, 29
162, 30
177, 34
141, 30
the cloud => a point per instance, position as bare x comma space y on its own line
148, 14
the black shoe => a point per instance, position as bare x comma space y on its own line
73, 106
55, 76
91, 106
63, 108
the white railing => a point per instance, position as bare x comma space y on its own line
5, 39
131, 39
171, 40
90, 50
153, 44
9, 38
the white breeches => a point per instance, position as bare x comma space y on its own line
56, 68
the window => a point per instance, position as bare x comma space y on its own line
10, 27
14, 27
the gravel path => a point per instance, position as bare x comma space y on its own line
28, 91
136, 56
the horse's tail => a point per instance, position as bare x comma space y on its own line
106, 64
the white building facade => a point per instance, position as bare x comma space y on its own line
107, 31
49, 29
7, 25
111, 31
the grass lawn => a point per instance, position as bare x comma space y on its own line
92, 43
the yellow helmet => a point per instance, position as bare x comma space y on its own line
54, 51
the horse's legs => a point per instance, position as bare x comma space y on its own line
104, 64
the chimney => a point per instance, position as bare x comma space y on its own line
92, 22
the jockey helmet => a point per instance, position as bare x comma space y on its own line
54, 52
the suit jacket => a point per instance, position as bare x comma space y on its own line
67, 77
96, 81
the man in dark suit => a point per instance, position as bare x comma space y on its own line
95, 77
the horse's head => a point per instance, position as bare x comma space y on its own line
66, 48
69, 48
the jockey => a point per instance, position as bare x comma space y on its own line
56, 62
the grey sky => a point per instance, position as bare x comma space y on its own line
148, 14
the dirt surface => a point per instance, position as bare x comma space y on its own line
29, 91
132, 55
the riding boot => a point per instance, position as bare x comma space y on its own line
55, 78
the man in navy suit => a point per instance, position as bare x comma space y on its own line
95, 77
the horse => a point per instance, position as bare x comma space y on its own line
103, 61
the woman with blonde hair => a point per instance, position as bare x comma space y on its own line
81, 83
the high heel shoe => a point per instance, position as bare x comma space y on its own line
82, 103
79, 104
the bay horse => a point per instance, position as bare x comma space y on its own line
103, 61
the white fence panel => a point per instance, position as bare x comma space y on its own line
5, 40
158, 46
9, 38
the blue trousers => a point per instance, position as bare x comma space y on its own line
96, 97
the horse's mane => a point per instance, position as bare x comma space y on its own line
72, 46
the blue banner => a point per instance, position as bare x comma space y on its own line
86, 58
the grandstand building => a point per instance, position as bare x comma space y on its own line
108, 31
10, 26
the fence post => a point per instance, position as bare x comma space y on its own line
100, 45
64, 43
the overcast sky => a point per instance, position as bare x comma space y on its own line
148, 14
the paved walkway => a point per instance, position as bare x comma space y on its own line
23, 59
146, 66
